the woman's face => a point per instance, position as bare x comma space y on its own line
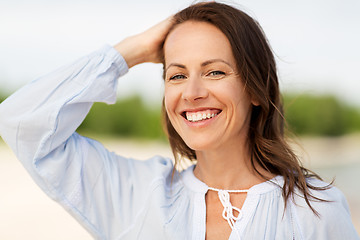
205, 99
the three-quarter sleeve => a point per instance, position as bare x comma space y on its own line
42, 116
39, 121
39, 117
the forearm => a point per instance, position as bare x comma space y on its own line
131, 51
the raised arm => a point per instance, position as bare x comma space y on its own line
39, 121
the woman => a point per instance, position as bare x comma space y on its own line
222, 109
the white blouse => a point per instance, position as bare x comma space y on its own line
121, 198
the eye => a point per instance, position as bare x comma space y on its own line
177, 77
216, 74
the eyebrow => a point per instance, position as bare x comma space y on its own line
208, 62
213, 61
175, 65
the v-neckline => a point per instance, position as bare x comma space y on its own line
200, 189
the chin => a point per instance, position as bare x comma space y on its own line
197, 145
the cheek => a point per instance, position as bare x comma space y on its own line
169, 103
170, 106
170, 98
239, 100
166, 100
166, 105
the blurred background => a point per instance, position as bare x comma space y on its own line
316, 44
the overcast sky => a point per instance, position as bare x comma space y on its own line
317, 43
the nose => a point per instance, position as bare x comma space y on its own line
195, 89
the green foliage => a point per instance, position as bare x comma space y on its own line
305, 115
320, 115
2, 97
128, 118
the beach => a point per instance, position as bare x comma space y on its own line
27, 213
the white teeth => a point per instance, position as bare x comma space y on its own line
195, 117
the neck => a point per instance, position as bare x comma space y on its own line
227, 168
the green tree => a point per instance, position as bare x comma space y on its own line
320, 115
128, 118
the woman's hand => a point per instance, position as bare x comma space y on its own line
145, 46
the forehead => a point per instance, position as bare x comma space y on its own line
197, 40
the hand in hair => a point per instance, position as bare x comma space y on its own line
145, 46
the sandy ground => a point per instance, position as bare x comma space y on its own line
27, 213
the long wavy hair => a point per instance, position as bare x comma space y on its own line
257, 68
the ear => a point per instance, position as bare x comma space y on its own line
253, 99
255, 102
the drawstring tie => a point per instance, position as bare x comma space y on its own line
229, 209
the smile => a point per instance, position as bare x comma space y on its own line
197, 116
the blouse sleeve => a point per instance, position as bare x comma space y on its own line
39, 121
334, 220
42, 116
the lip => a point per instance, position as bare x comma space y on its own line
201, 123
199, 109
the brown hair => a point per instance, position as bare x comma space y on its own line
256, 66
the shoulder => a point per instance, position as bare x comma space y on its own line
333, 220
129, 172
151, 173
325, 199
156, 166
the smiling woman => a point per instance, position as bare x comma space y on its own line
222, 110
205, 88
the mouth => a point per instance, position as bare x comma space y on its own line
198, 116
